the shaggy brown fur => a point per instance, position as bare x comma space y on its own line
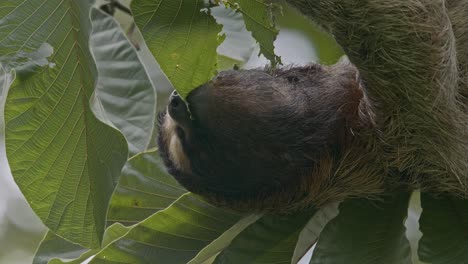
308, 136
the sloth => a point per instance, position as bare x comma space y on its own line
391, 116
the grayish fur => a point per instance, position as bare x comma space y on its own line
458, 13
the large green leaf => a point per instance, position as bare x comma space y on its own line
174, 235
444, 224
182, 36
272, 239
125, 95
65, 161
55, 250
259, 19
366, 232
144, 188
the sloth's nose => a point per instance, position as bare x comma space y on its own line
177, 108
175, 101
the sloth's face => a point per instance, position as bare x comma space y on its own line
248, 135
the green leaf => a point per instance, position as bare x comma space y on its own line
25, 27
271, 239
65, 161
239, 45
366, 232
312, 230
55, 247
56, 250
144, 188
125, 95
228, 63
6, 79
328, 51
183, 38
259, 19
174, 235
219, 244
444, 224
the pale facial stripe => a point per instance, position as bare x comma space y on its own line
175, 149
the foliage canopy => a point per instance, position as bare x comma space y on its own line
79, 123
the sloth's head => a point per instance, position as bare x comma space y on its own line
254, 140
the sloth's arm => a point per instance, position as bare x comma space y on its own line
405, 51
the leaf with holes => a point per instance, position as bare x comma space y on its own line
259, 19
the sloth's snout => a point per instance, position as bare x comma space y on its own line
178, 109
175, 102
